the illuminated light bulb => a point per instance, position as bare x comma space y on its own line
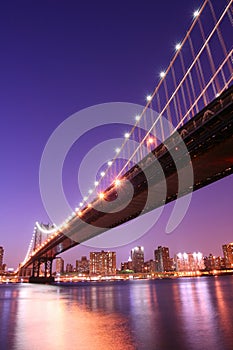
101, 195
89, 205
76, 209
178, 46
127, 135
148, 98
195, 13
117, 182
96, 183
85, 198
162, 74
90, 191
79, 213
81, 204
102, 173
137, 118
109, 163
117, 150
150, 140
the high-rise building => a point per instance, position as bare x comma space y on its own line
127, 265
82, 266
59, 265
162, 259
103, 263
228, 255
149, 266
189, 262
137, 256
69, 268
212, 262
1, 258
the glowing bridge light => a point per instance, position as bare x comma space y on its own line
196, 13
162, 74
96, 183
137, 118
117, 182
150, 140
89, 205
102, 173
101, 195
127, 135
90, 191
117, 150
148, 98
178, 46
81, 204
85, 198
109, 163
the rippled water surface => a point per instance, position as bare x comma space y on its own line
179, 314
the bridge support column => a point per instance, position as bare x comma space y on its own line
39, 276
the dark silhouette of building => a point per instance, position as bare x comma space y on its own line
149, 266
228, 255
83, 265
212, 262
137, 256
59, 265
69, 268
127, 265
1, 258
163, 262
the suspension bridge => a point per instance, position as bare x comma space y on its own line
183, 146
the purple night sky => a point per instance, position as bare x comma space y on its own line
58, 57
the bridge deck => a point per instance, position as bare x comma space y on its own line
209, 141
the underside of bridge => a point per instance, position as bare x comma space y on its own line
208, 138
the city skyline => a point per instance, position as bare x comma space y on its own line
226, 249
58, 71
161, 261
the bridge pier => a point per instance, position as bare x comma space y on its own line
37, 276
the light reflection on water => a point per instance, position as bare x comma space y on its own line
192, 313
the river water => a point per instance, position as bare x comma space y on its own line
179, 314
